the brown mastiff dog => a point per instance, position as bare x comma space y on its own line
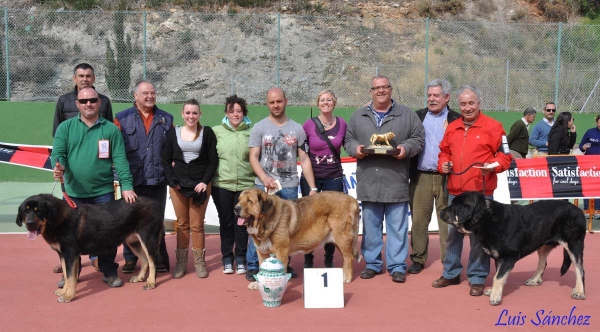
285, 227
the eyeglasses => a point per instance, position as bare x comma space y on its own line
551, 110
381, 87
85, 101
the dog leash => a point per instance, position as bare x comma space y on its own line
64, 192
469, 167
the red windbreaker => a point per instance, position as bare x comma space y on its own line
482, 142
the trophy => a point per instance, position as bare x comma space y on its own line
380, 144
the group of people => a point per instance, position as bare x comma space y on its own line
436, 148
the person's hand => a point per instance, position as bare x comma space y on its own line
446, 167
573, 128
402, 153
200, 187
58, 171
129, 196
312, 192
269, 182
359, 154
485, 171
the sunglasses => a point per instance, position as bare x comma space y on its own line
85, 101
551, 110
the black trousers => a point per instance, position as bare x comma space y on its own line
231, 233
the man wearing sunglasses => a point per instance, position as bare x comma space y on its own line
539, 134
85, 149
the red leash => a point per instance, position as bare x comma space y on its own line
64, 192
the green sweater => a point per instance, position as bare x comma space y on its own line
76, 148
234, 172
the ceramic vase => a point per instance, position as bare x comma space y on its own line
272, 281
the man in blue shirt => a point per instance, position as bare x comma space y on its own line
539, 134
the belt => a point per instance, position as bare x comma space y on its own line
428, 172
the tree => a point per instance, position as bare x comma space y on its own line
118, 61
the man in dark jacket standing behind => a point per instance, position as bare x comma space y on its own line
83, 77
427, 185
144, 127
383, 179
518, 137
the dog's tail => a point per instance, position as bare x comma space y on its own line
355, 244
164, 255
566, 263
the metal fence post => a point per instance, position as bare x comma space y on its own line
144, 48
559, 41
278, 46
426, 61
6, 54
506, 86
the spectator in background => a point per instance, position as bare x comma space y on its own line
539, 134
518, 137
66, 108
427, 185
83, 77
321, 132
87, 169
233, 175
382, 185
590, 145
276, 143
473, 138
562, 136
190, 160
144, 127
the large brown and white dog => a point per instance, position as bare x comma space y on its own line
285, 227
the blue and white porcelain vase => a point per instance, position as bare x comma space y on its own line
272, 281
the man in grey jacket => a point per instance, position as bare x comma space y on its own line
383, 179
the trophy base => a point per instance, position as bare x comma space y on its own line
381, 150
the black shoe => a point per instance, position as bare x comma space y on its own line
368, 273
129, 266
308, 262
398, 277
250, 274
292, 272
416, 268
113, 281
159, 268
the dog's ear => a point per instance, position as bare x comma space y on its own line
49, 212
479, 208
20, 215
266, 202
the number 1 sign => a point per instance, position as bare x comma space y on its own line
323, 288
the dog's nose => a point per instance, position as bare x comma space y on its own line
237, 209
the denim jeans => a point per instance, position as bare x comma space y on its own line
251, 255
586, 204
396, 247
478, 266
106, 262
158, 193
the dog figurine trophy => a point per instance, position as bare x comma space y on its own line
380, 144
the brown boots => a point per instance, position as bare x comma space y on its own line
181, 265
200, 263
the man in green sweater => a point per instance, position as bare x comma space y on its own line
518, 137
85, 149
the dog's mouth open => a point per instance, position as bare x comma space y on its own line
243, 221
32, 233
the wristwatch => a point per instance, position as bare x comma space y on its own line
313, 189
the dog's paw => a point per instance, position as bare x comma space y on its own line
576, 295
495, 301
148, 286
63, 299
253, 285
533, 282
347, 281
487, 292
60, 292
136, 279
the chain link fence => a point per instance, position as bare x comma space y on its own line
209, 56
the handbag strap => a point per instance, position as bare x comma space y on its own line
321, 131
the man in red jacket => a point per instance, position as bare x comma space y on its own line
473, 138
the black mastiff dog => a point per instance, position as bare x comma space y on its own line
510, 232
96, 229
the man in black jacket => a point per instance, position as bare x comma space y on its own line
427, 186
83, 77
518, 137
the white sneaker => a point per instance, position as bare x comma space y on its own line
228, 269
241, 269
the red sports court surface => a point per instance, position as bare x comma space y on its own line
223, 303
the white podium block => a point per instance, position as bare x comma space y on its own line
324, 288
